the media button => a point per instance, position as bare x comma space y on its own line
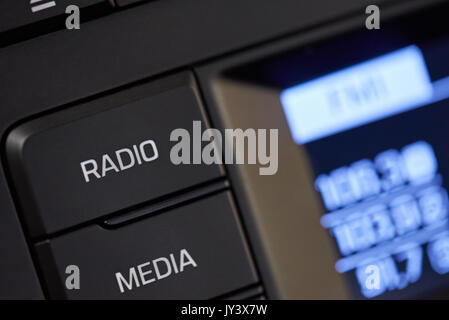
192, 252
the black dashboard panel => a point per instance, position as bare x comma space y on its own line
78, 107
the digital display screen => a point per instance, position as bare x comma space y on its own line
377, 137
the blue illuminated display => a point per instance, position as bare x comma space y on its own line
370, 91
382, 211
386, 207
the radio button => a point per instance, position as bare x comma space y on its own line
85, 162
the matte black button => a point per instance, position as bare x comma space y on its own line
192, 252
92, 160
